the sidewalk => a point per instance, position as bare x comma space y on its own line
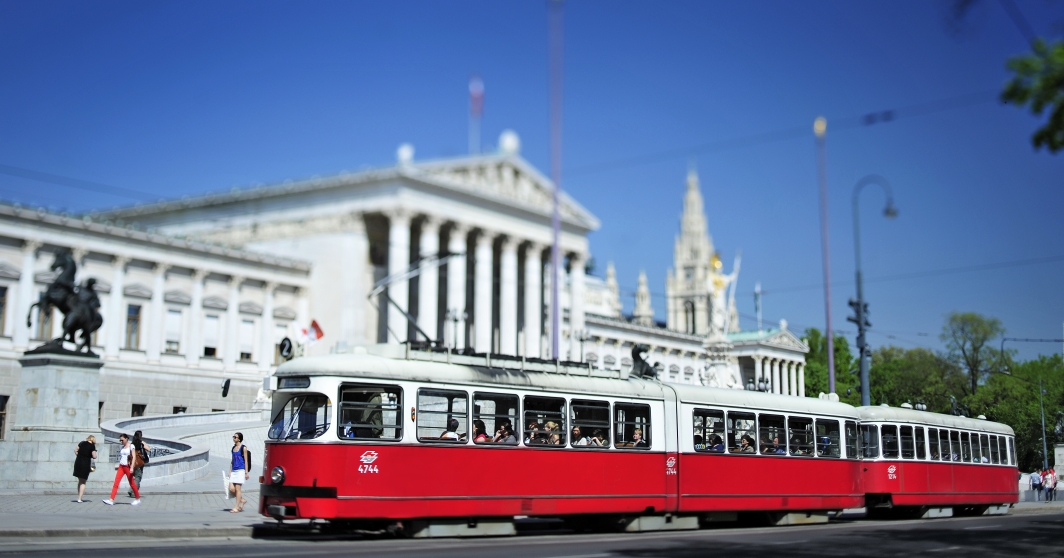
158, 516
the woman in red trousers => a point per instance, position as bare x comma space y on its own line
125, 464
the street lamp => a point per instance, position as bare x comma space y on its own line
859, 306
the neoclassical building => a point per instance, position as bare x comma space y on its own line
202, 289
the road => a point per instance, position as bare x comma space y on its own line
1027, 535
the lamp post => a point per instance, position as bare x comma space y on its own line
1041, 392
859, 306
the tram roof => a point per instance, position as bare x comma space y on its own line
391, 362
899, 414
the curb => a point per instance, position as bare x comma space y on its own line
151, 532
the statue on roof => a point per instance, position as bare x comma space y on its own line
721, 289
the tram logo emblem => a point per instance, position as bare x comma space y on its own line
890, 472
670, 465
367, 462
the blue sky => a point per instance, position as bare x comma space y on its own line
182, 98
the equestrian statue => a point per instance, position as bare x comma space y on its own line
79, 304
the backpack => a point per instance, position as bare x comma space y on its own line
247, 459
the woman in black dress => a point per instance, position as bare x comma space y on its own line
85, 452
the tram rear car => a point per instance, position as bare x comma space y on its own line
920, 463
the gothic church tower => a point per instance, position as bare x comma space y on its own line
685, 286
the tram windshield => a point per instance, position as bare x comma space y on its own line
303, 417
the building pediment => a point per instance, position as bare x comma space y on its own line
177, 297
215, 302
137, 290
503, 178
285, 313
8, 271
786, 340
250, 308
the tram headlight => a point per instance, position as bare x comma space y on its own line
277, 475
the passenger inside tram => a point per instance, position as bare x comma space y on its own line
505, 434
533, 435
798, 448
579, 439
746, 444
773, 447
554, 436
637, 439
716, 443
479, 434
598, 438
452, 431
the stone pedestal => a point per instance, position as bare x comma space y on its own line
58, 407
720, 366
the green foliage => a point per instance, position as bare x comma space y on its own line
914, 376
1039, 81
1013, 400
816, 367
967, 336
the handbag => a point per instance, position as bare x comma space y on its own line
137, 461
92, 465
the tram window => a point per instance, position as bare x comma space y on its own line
1004, 450
977, 456
984, 448
632, 426
869, 441
932, 442
955, 445
772, 439
442, 416
943, 445
709, 430
497, 414
851, 440
890, 441
966, 448
800, 439
907, 449
827, 438
370, 412
590, 422
921, 449
993, 450
303, 417
545, 421
742, 426
1012, 452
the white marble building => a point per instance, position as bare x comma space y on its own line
210, 284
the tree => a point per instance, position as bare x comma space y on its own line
816, 367
1039, 81
916, 375
967, 335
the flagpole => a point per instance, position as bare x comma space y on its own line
556, 170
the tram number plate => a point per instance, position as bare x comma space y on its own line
892, 473
367, 460
367, 469
670, 466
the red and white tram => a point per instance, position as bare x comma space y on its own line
460, 445
930, 463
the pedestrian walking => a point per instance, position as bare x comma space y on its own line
127, 458
1050, 483
238, 471
1036, 484
142, 450
84, 463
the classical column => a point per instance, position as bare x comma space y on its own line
266, 349
792, 374
25, 295
117, 314
456, 287
482, 286
232, 324
429, 280
195, 319
759, 372
156, 329
302, 307
801, 379
777, 387
358, 279
576, 302
398, 262
533, 302
508, 297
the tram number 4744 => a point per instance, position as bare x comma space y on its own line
367, 460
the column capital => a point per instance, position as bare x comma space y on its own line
31, 245
459, 228
485, 237
430, 222
198, 275
79, 253
236, 280
397, 213
269, 286
533, 247
509, 243
121, 260
577, 257
355, 221
162, 267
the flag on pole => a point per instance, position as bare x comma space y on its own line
314, 332
476, 96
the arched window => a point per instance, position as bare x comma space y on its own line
689, 316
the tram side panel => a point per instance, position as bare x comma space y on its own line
946, 484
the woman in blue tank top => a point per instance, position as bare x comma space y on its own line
238, 472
